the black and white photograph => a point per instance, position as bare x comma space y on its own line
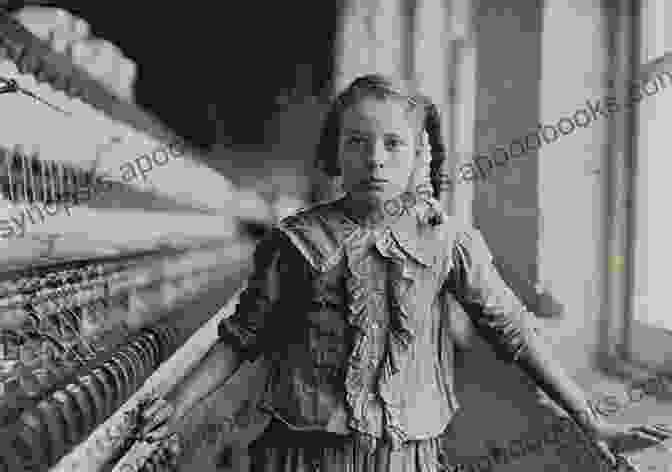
335, 236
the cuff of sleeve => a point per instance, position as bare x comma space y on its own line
242, 341
511, 343
526, 336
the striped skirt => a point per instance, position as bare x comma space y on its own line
280, 449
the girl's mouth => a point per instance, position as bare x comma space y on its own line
374, 182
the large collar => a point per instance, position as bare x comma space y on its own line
418, 240
321, 232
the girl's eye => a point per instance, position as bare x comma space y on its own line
394, 144
356, 140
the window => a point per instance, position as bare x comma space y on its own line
651, 327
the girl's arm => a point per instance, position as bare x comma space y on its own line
238, 333
218, 365
501, 319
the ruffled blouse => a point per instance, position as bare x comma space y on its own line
398, 280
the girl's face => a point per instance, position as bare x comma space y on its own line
376, 149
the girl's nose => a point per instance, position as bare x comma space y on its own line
376, 154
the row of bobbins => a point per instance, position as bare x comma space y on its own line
56, 279
58, 423
29, 179
47, 346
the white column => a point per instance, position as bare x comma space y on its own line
463, 110
371, 40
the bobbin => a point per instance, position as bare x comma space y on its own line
56, 427
95, 389
85, 406
106, 382
117, 367
68, 409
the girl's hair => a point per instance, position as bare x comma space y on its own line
379, 86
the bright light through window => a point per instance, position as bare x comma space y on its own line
653, 222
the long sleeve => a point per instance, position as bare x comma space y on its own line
497, 313
244, 330
502, 320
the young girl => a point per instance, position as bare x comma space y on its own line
351, 306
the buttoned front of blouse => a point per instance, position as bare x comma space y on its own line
353, 321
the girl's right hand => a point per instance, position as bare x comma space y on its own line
155, 419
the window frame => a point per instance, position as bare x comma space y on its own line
632, 346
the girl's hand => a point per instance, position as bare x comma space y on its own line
158, 418
155, 419
626, 438
615, 438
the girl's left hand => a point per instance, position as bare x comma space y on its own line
615, 438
